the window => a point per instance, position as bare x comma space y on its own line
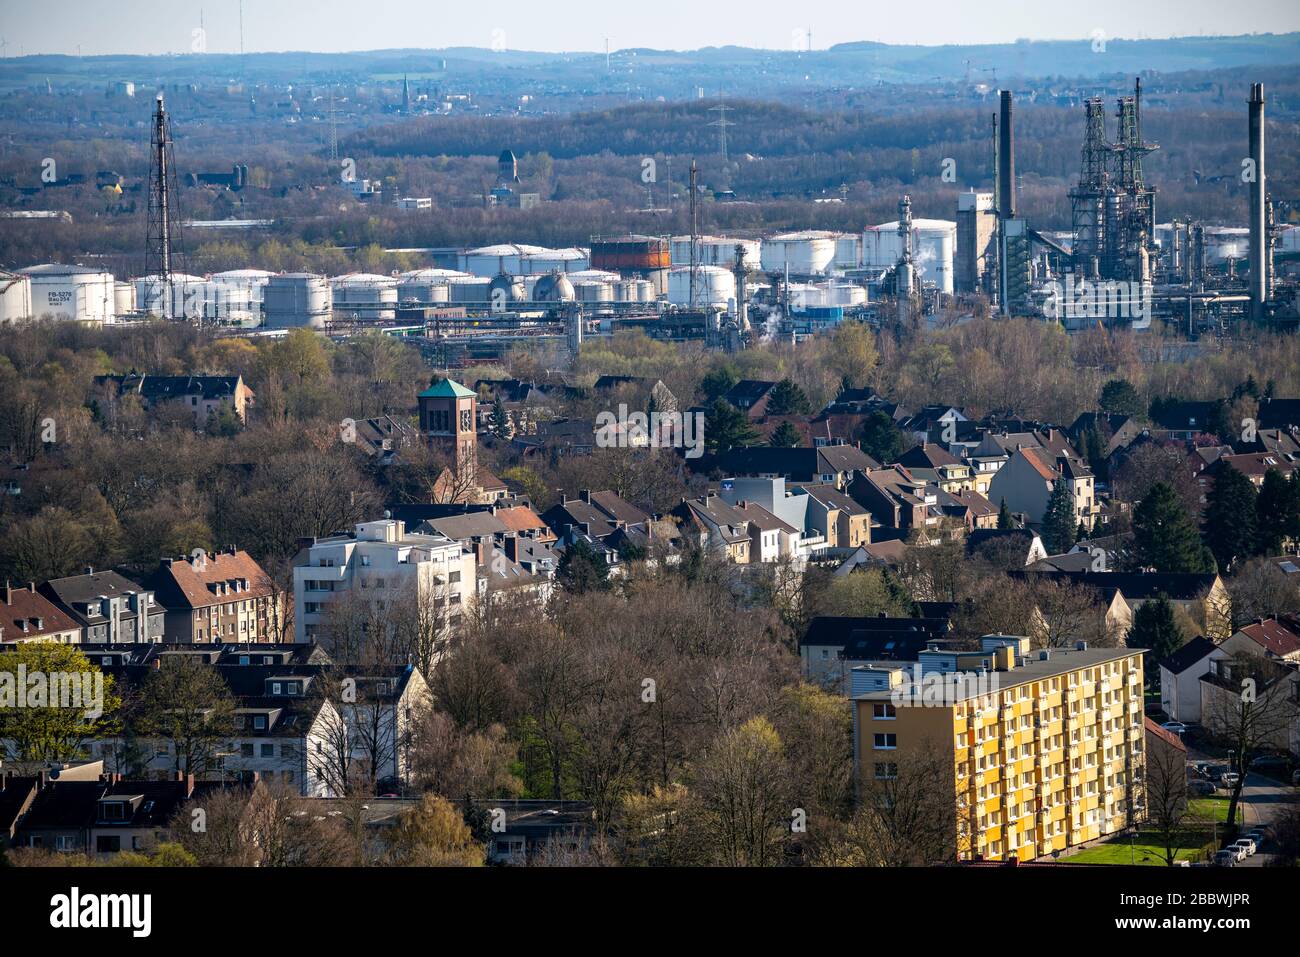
885, 742
259, 722
883, 711
268, 750
886, 770
108, 843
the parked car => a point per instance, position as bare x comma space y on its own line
1229, 779
1246, 844
1177, 727
1202, 788
1258, 836
1202, 768
1214, 771
1225, 858
1270, 764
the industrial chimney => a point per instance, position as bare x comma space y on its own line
1006, 161
1258, 192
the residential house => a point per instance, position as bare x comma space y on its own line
219, 596
27, 615
835, 644
841, 520
1180, 680
1026, 482
750, 396
935, 465
201, 395
832, 464
109, 608
897, 500
716, 526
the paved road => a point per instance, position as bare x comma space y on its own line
1262, 798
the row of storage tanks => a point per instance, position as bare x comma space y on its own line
503, 274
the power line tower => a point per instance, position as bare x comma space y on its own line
160, 259
334, 132
721, 123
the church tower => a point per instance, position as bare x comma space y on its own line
448, 419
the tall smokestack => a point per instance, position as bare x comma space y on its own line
1258, 190
1006, 161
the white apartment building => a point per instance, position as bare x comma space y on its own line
381, 559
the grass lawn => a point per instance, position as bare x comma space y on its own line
1212, 808
1146, 849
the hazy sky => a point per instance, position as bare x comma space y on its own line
168, 26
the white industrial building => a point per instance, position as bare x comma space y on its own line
383, 562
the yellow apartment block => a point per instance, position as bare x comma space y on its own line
1047, 746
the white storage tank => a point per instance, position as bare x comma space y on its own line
848, 253
468, 290
296, 299
714, 286
846, 294
807, 253
519, 259
185, 301
15, 297
715, 251
426, 286
366, 297
79, 293
123, 298
593, 290
933, 244
505, 291
251, 281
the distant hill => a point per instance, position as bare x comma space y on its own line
675, 74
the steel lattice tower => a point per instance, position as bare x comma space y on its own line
162, 232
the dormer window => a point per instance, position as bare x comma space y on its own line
243, 659
295, 687
276, 687
112, 810
259, 722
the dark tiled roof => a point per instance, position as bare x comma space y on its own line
1188, 655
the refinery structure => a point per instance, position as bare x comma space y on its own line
1117, 265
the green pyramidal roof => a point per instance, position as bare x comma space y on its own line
447, 389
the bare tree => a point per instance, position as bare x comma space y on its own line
1164, 787
906, 813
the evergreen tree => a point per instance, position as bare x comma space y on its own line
1277, 512
500, 419
1229, 524
1154, 628
786, 398
1164, 537
581, 570
726, 428
718, 382
1058, 519
1004, 517
785, 436
1095, 451
880, 438
1119, 396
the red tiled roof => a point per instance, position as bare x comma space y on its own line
1164, 734
1274, 637
219, 568
18, 605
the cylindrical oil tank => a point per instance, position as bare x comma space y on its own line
631, 254
366, 297
489, 261
123, 298
544, 261
79, 293
184, 300
426, 286
933, 244
714, 286
468, 290
251, 281
296, 299
15, 297
808, 253
848, 253
553, 287
593, 290
717, 251
846, 294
